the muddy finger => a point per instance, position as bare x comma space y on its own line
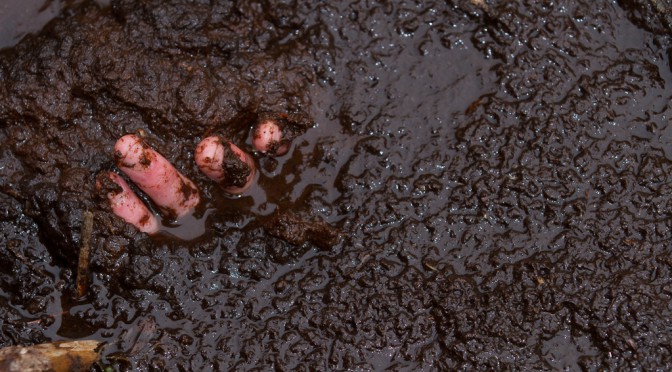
126, 205
268, 138
225, 163
172, 192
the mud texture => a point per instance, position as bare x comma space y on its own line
479, 185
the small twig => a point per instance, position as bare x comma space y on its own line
19, 256
83, 264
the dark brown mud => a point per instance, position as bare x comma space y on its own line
475, 185
19, 18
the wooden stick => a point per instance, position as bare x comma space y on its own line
56, 356
83, 264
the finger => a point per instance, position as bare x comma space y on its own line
172, 192
225, 163
126, 205
268, 138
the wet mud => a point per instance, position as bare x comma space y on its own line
471, 185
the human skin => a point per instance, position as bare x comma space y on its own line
226, 164
175, 195
127, 206
172, 192
268, 138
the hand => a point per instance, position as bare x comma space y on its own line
173, 193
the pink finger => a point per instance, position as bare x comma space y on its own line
175, 194
268, 138
126, 205
225, 163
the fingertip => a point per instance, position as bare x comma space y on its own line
209, 155
226, 164
268, 138
127, 139
129, 152
125, 143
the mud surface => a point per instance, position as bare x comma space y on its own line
19, 18
479, 185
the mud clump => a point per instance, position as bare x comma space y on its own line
486, 185
299, 230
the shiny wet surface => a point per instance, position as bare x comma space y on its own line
500, 176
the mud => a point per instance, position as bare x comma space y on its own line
471, 185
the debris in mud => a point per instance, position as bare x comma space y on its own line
297, 230
63, 356
83, 273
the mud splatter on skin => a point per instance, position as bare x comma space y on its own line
146, 159
145, 219
105, 185
236, 171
